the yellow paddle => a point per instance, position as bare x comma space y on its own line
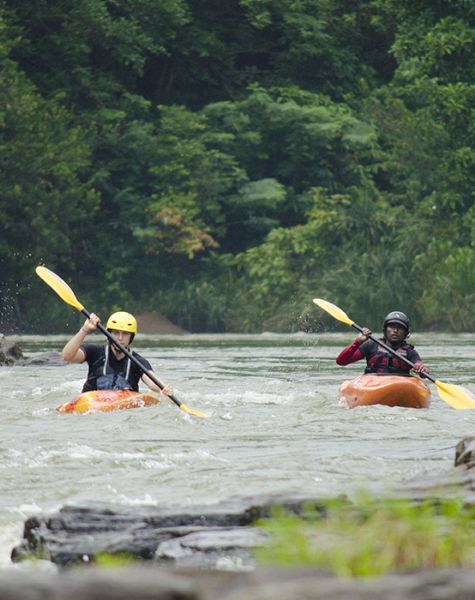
448, 392
66, 293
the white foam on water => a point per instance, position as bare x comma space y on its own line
274, 425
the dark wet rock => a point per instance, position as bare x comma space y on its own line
222, 548
465, 453
154, 583
52, 359
10, 352
195, 536
458, 482
12, 355
221, 535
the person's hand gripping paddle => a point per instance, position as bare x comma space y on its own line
66, 293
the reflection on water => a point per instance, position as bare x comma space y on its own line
274, 426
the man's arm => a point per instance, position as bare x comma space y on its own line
419, 366
72, 351
167, 389
353, 352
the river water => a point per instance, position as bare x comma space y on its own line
274, 426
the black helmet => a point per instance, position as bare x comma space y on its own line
398, 317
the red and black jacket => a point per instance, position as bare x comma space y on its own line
379, 360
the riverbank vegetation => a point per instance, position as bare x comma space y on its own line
224, 163
369, 537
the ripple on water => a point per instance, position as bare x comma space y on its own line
274, 426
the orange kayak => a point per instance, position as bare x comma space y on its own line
106, 400
390, 390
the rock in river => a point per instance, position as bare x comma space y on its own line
207, 536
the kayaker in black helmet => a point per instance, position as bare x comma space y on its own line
396, 329
109, 368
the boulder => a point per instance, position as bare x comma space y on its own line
465, 453
198, 536
10, 352
52, 358
12, 355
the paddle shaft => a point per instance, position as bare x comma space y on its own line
392, 351
135, 360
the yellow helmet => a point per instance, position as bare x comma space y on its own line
122, 321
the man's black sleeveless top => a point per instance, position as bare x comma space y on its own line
113, 374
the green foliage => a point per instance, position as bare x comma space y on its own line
44, 159
436, 46
232, 160
323, 45
114, 561
46, 192
318, 258
369, 538
288, 141
194, 177
202, 303
301, 138
450, 299
93, 50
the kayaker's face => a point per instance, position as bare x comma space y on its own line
395, 333
123, 337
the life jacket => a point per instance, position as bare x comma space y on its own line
110, 379
382, 362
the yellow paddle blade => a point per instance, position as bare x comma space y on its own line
59, 286
454, 396
335, 312
192, 411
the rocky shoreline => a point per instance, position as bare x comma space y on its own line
207, 536
206, 553
210, 536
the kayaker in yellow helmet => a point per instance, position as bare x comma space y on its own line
109, 368
396, 329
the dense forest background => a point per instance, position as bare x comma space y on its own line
224, 162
